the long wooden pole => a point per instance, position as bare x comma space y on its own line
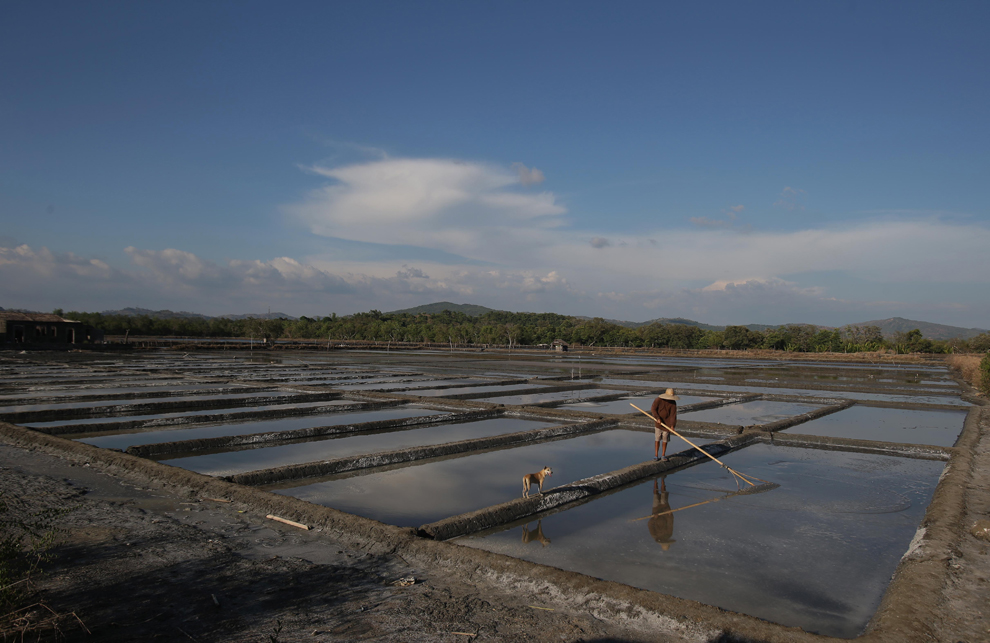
667, 428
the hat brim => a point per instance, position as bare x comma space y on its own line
664, 396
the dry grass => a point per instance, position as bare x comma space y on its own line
968, 366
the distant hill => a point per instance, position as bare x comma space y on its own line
663, 320
470, 310
929, 330
182, 314
155, 314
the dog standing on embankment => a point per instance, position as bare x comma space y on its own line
535, 478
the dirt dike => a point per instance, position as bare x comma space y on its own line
211, 418
513, 510
292, 472
276, 437
116, 410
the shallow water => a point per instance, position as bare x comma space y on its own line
842, 395
124, 440
749, 413
142, 400
96, 390
415, 495
222, 464
476, 389
158, 416
413, 384
622, 406
939, 428
534, 398
816, 553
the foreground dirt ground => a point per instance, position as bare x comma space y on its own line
140, 563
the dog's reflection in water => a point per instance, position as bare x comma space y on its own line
661, 524
537, 534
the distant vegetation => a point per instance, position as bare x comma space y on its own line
507, 328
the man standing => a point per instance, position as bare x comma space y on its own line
664, 410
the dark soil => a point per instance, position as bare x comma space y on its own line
138, 563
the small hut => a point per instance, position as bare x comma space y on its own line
558, 345
41, 328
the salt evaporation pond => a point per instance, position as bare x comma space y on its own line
622, 406
906, 398
938, 428
816, 553
124, 440
252, 459
748, 413
414, 495
142, 400
476, 389
159, 416
536, 398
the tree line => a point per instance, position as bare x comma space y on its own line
502, 328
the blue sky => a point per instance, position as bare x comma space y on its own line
728, 162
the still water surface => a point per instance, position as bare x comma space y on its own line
124, 440
415, 495
748, 413
816, 553
939, 428
224, 464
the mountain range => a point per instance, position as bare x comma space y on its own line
887, 326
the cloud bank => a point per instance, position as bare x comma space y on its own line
521, 253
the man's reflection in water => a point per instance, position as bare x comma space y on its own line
529, 536
661, 525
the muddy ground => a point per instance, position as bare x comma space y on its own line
139, 562
141, 558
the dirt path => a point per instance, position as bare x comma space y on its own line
140, 562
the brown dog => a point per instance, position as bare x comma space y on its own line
535, 478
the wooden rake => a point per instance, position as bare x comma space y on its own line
753, 487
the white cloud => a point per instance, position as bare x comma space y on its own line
460, 207
599, 242
528, 176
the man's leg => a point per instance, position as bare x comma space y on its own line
665, 439
656, 450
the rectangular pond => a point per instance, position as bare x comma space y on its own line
622, 406
938, 428
952, 400
536, 398
816, 553
748, 413
415, 495
159, 416
124, 440
493, 388
231, 462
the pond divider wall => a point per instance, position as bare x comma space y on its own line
212, 418
923, 569
714, 404
916, 451
439, 385
275, 437
523, 391
513, 510
794, 420
412, 454
58, 397
123, 410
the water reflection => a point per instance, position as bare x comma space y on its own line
661, 524
537, 535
